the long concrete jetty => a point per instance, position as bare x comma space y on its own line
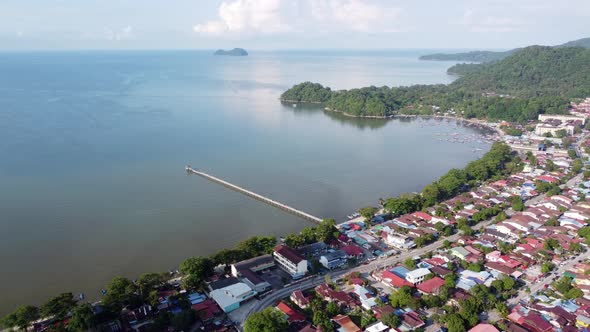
254, 195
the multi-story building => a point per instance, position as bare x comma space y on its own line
333, 260
290, 261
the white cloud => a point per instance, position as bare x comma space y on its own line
240, 16
357, 15
118, 34
276, 16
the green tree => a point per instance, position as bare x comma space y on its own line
517, 204
147, 282
502, 308
368, 213
391, 320
267, 320
332, 309
21, 318
83, 318
454, 323
201, 267
326, 230
121, 292
294, 240
409, 263
59, 307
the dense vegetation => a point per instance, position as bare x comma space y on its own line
532, 81
496, 163
487, 56
472, 56
533, 71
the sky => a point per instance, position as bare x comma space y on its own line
290, 24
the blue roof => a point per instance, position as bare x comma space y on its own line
400, 271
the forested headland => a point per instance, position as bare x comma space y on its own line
487, 56
532, 81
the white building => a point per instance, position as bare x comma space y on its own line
399, 241
290, 261
230, 297
417, 276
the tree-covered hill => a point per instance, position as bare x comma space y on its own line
472, 56
536, 79
488, 56
532, 71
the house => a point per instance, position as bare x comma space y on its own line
440, 271
346, 324
431, 286
535, 322
417, 276
229, 298
482, 327
313, 249
299, 299
353, 251
411, 320
254, 264
393, 280
377, 327
291, 314
290, 261
460, 252
383, 311
330, 295
399, 241
367, 299
333, 260
254, 281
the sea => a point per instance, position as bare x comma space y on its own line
93, 148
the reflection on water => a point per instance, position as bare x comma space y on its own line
93, 148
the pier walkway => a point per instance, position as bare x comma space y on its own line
254, 195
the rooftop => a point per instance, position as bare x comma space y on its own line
288, 253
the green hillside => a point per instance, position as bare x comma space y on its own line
488, 56
536, 79
532, 71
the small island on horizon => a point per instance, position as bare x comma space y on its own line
232, 52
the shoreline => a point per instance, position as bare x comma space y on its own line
487, 125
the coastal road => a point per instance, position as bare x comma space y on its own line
377, 264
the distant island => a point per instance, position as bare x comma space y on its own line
487, 56
234, 52
531, 81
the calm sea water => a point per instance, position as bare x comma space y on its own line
93, 148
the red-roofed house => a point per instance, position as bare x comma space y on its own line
431, 286
292, 315
534, 322
352, 250
346, 324
299, 299
393, 280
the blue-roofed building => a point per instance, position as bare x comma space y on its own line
400, 271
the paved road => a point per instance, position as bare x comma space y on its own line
377, 264
548, 279
381, 263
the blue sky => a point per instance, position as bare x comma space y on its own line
284, 24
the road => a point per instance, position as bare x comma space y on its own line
377, 264
381, 263
540, 284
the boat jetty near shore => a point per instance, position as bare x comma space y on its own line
256, 196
